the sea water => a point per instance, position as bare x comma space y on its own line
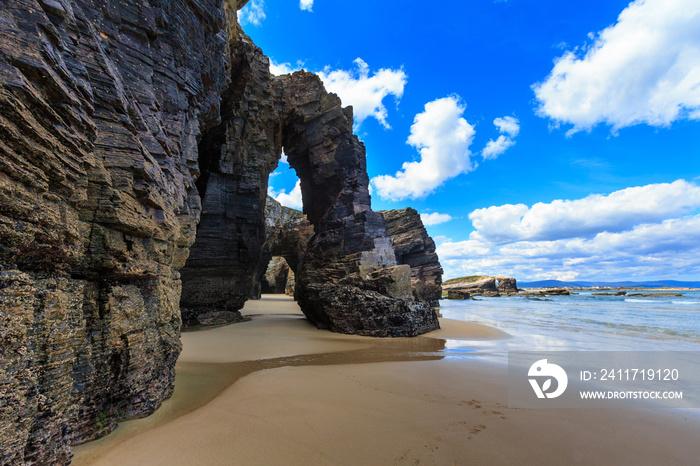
582, 321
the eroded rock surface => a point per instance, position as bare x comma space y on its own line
506, 285
350, 246
101, 105
414, 247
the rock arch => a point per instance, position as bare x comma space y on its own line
348, 279
287, 234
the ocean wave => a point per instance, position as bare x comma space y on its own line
633, 300
696, 303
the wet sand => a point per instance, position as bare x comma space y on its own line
275, 390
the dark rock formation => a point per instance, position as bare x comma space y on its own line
120, 120
275, 279
506, 285
349, 280
350, 245
548, 292
413, 246
481, 286
235, 158
101, 105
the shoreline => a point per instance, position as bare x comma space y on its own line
276, 390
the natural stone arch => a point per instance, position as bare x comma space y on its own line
348, 279
287, 233
276, 276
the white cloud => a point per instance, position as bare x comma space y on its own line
291, 199
434, 218
364, 92
508, 125
278, 69
658, 237
495, 148
583, 217
306, 4
283, 158
509, 128
443, 138
643, 69
252, 13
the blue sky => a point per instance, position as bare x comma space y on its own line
548, 139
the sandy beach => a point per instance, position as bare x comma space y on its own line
275, 390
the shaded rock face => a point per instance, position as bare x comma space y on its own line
455, 294
235, 159
101, 105
414, 247
291, 284
275, 279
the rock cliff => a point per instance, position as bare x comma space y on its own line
136, 141
235, 159
101, 106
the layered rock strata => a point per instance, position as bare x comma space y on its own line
235, 159
414, 247
101, 106
349, 280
